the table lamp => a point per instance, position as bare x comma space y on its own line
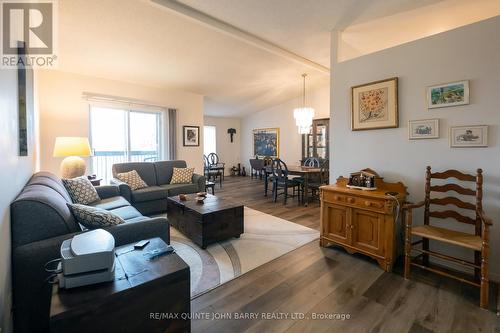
73, 149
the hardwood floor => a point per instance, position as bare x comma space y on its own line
305, 285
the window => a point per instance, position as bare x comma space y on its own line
120, 135
209, 140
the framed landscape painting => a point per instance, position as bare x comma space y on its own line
266, 142
374, 105
423, 129
469, 136
448, 94
191, 136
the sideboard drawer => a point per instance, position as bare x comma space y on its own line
357, 201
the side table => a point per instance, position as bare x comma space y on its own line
146, 296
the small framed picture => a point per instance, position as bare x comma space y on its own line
448, 94
469, 136
191, 136
423, 129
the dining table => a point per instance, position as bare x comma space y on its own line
305, 172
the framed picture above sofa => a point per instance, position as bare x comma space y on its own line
374, 105
191, 136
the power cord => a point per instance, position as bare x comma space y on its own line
57, 269
393, 195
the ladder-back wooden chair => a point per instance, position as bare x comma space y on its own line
478, 242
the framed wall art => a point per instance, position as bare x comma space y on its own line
266, 142
469, 136
448, 94
191, 136
374, 105
423, 129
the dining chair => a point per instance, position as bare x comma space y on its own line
211, 173
323, 178
280, 180
267, 171
215, 164
312, 162
256, 168
477, 241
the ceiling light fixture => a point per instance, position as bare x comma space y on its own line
303, 115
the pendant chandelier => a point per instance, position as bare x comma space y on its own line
303, 115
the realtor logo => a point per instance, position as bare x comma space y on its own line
28, 30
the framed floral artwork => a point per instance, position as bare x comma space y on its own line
374, 105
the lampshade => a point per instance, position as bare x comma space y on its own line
72, 146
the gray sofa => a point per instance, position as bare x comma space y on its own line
153, 199
40, 222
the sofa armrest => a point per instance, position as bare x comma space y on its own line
31, 291
132, 232
200, 181
108, 191
125, 190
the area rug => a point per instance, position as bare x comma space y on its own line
266, 238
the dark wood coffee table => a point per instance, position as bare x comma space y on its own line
205, 223
146, 296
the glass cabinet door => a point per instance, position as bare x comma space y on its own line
316, 144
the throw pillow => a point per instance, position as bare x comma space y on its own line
93, 217
81, 190
182, 176
132, 179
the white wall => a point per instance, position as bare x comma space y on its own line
14, 173
471, 52
63, 111
282, 116
229, 152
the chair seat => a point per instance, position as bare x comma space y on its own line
448, 236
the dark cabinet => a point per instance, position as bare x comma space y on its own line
316, 143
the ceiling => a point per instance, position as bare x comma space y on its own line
142, 42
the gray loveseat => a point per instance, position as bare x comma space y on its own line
40, 222
153, 199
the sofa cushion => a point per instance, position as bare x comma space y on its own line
126, 213
176, 189
81, 190
182, 176
49, 180
138, 219
164, 170
93, 218
145, 169
111, 203
149, 193
132, 179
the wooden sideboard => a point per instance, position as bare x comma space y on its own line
362, 221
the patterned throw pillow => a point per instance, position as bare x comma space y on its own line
81, 190
132, 179
93, 217
182, 176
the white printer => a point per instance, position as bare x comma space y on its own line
87, 258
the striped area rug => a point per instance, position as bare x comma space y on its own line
266, 238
